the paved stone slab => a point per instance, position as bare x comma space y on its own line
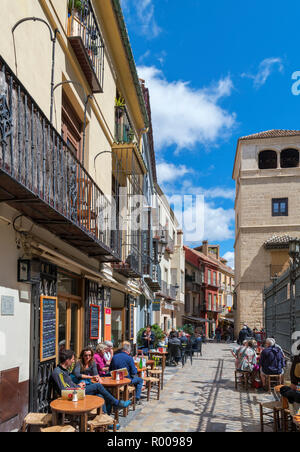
200, 398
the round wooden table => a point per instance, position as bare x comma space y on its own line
162, 355
141, 370
81, 408
114, 387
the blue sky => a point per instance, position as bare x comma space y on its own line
216, 71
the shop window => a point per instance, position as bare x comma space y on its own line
267, 160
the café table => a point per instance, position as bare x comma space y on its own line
81, 408
114, 386
140, 370
162, 355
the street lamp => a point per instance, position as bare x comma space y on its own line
162, 245
294, 248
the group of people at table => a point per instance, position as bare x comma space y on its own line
93, 366
262, 360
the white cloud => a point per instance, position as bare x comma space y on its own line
183, 116
265, 69
168, 172
141, 13
201, 220
229, 256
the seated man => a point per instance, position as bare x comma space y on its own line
122, 360
62, 380
271, 361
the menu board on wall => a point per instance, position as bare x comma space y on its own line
94, 322
131, 321
48, 328
107, 324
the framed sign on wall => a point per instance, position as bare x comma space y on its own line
95, 322
107, 324
48, 328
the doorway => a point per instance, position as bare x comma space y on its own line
69, 336
70, 330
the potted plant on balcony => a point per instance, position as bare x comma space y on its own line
75, 5
130, 135
80, 7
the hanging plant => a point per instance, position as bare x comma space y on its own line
120, 102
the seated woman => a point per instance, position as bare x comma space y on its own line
85, 369
247, 358
108, 355
100, 360
235, 353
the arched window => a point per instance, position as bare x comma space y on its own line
267, 160
289, 158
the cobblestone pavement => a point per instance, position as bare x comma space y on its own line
200, 398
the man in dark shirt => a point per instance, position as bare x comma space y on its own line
148, 338
123, 360
62, 380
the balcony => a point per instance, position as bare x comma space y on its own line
85, 38
152, 274
170, 244
42, 178
124, 132
131, 264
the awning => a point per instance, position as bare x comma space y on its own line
228, 320
197, 319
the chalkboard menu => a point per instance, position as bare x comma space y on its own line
48, 328
131, 321
94, 322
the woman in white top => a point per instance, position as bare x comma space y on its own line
109, 353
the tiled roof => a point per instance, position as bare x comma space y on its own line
275, 133
211, 260
278, 241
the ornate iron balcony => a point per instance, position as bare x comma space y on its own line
41, 177
87, 42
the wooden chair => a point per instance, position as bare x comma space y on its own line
243, 378
131, 395
36, 420
273, 380
59, 429
152, 382
101, 423
272, 411
157, 373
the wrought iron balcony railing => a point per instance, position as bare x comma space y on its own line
131, 265
87, 42
41, 177
152, 273
124, 132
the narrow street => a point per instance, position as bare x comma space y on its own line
200, 398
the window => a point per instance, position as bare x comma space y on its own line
267, 160
209, 277
280, 207
289, 158
215, 278
210, 302
71, 128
